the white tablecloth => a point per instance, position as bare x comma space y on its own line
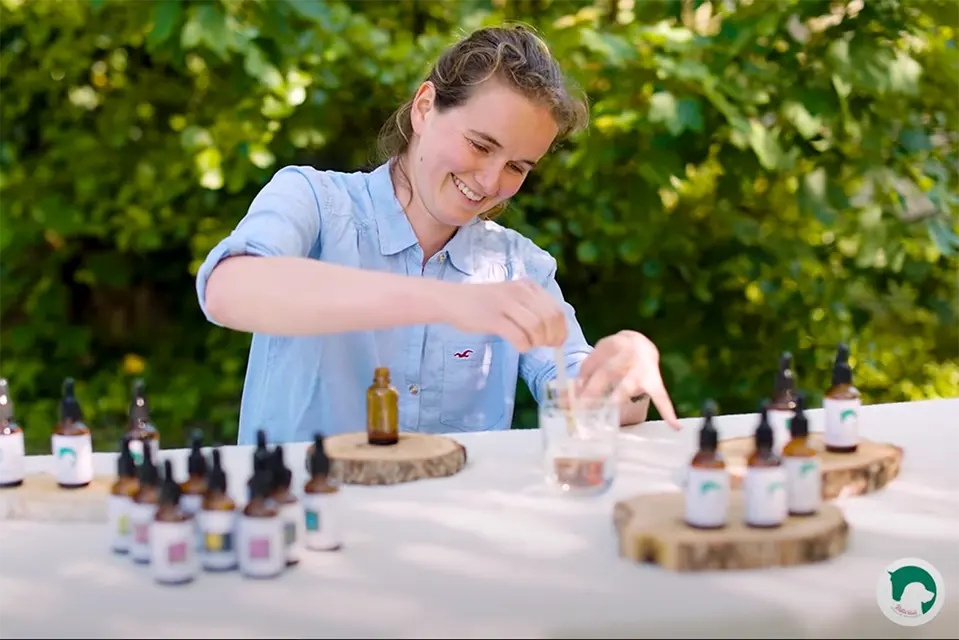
489, 553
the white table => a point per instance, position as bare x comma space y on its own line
488, 553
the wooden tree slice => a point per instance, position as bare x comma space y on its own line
40, 498
417, 456
871, 467
651, 529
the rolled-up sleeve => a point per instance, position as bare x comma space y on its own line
283, 220
538, 366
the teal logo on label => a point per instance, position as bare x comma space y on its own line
776, 486
708, 486
68, 456
806, 467
910, 592
137, 456
848, 414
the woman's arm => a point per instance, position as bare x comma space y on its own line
259, 278
286, 295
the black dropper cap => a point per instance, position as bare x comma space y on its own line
282, 476
841, 371
170, 490
216, 481
799, 425
261, 455
708, 436
70, 410
126, 465
196, 463
261, 484
139, 409
764, 432
785, 377
6, 402
319, 463
147, 472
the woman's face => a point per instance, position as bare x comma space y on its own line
468, 159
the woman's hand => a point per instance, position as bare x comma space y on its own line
627, 362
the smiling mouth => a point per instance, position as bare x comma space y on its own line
471, 195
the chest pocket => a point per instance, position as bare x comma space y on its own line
472, 397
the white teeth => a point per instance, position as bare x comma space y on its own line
466, 191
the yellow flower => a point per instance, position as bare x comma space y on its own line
133, 364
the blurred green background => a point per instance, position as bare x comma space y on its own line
758, 177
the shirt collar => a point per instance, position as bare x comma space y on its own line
393, 229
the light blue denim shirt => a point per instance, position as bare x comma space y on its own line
448, 380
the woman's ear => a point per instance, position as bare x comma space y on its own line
422, 106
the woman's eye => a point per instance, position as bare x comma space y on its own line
478, 147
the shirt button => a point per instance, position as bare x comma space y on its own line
414, 389
442, 257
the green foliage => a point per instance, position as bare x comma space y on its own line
778, 175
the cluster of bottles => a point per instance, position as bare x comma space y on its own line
71, 442
841, 405
781, 479
177, 528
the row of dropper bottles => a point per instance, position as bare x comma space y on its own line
176, 527
71, 442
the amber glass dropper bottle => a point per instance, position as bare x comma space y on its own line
72, 443
707, 485
121, 499
12, 460
140, 429
783, 403
320, 501
765, 482
144, 506
842, 405
291, 510
173, 537
194, 487
803, 471
261, 552
382, 410
218, 521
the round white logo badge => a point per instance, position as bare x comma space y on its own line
910, 592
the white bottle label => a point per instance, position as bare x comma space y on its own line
218, 530
707, 497
173, 551
73, 457
842, 421
141, 518
294, 528
261, 551
780, 421
121, 528
320, 511
803, 484
11, 458
136, 451
765, 495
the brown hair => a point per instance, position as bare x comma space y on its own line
514, 55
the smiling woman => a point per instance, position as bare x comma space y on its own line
337, 274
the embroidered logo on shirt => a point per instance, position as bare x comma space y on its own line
463, 354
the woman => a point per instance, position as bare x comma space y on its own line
338, 273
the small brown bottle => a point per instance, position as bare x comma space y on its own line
801, 461
382, 410
291, 510
783, 402
140, 429
261, 552
218, 521
72, 444
765, 482
144, 506
173, 556
320, 501
707, 485
841, 406
194, 488
12, 452
121, 500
